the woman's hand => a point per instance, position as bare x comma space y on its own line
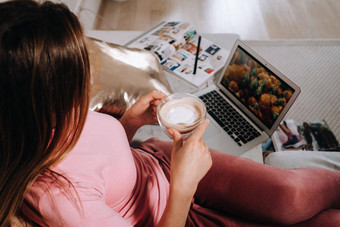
142, 112
190, 160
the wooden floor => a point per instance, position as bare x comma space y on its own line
251, 19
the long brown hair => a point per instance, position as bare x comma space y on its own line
44, 85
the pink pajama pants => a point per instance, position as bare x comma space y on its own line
240, 192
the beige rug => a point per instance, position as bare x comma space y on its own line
314, 65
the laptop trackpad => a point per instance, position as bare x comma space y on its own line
212, 130
217, 139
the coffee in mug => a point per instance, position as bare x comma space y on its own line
181, 111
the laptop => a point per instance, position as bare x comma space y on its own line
247, 102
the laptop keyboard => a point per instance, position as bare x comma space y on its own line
229, 119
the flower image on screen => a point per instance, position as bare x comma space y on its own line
256, 87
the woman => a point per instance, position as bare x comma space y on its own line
64, 166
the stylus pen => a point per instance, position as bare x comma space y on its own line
197, 53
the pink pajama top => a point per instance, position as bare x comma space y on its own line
117, 186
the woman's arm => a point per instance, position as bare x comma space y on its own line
176, 210
190, 161
143, 112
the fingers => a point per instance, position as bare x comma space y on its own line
154, 108
206, 146
154, 115
152, 97
200, 130
177, 137
197, 135
157, 95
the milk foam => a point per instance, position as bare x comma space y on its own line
181, 114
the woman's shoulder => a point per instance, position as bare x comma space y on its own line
102, 124
102, 131
100, 118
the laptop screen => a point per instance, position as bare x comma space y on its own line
256, 87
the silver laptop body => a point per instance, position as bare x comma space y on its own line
257, 91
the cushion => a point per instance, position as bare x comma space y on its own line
304, 159
121, 75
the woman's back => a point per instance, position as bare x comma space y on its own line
111, 180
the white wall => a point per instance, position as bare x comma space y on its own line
74, 5
86, 10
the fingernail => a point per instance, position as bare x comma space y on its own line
170, 133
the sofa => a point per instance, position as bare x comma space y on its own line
304, 159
